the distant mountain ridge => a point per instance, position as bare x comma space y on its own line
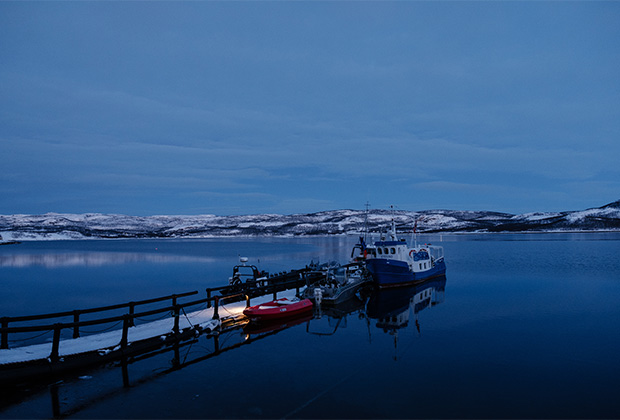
94, 225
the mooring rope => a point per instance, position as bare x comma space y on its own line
102, 330
31, 338
186, 317
225, 309
165, 315
189, 349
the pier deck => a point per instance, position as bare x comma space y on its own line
35, 360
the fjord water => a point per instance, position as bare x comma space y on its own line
527, 325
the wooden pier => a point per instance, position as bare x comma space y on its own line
220, 310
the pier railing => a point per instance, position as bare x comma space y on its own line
215, 296
76, 324
259, 287
128, 319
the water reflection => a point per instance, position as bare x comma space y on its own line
335, 316
389, 310
93, 259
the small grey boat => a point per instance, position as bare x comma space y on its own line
339, 284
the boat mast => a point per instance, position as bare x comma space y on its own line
414, 235
393, 226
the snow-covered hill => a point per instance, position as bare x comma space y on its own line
93, 225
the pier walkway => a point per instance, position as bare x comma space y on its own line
103, 343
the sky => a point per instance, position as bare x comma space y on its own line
212, 107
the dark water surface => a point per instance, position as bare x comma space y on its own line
524, 326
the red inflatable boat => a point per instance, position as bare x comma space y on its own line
276, 309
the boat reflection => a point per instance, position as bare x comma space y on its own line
276, 325
336, 315
392, 307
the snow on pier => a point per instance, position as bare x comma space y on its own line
200, 320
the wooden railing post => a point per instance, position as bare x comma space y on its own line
124, 337
216, 315
55, 400
176, 361
54, 355
208, 297
125, 372
177, 312
5, 334
216, 344
76, 327
132, 306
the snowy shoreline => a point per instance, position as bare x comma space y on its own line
16, 239
57, 226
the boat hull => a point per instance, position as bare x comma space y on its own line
277, 310
395, 273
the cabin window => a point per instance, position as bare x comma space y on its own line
392, 250
420, 266
385, 250
379, 250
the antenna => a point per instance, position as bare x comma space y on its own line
367, 206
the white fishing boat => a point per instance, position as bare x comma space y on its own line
393, 263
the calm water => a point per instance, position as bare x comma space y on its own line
524, 326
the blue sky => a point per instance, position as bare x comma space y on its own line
149, 108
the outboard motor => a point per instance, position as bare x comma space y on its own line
318, 296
